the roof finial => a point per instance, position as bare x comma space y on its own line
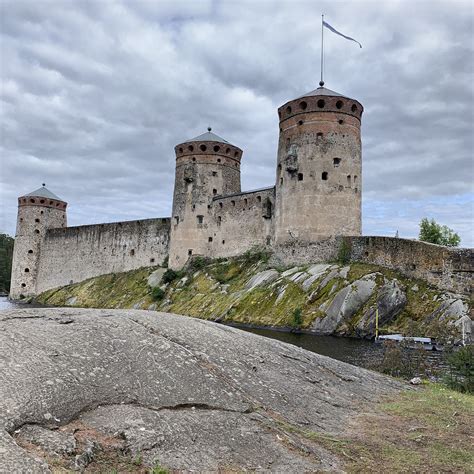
44, 185
321, 83
209, 128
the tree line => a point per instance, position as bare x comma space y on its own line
6, 255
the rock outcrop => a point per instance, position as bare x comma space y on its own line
169, 390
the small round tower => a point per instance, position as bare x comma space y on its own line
319, 167
206, 166
37, 211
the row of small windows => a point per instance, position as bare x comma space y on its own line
324, 177
215, 148
321, 103
219, 161
42, 201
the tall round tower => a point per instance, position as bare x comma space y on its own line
319, 168
37, 212
206, 166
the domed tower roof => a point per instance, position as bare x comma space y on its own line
44, 192
322, 91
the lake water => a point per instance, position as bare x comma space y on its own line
354, 351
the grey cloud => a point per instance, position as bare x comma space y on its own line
95, 95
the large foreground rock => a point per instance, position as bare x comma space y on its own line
181, 392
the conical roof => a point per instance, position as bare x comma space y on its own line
44, 192
208, 137
322, 91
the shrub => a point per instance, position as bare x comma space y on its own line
197, 263
297, 320
157, 294
460, 375
170, 275
256, 254
344, 252
165, 262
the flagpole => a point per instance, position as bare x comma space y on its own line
321, 82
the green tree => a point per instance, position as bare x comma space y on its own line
432, 232
6, 255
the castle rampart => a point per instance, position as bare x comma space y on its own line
75, 254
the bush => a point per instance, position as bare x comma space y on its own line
157, 294
461, 370
344, 252
256, 254
170, 275
197, 263
297, 320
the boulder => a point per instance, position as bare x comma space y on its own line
192, 394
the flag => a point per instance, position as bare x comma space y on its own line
329, 27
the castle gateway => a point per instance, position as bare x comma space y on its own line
317, 195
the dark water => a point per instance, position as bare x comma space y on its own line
353, 351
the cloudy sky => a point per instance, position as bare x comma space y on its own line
95, 94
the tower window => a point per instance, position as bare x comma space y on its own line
152, 260
259, 198
214, 173
181, 150
209, 239
176, 220
355, 179
27, 270
218, 160
288, 110
336, 162
300, 122
319, 135
32, 201
223, 242
37, 220
30, 251
232, 202
190, 148
221, 205
132, 252
354, 108
324, 176
303, 105
203, 147
236, 154
23, 285
227, 150
321, 103
339, 104
42, 212
300, 176
42, 201
246, 201
341, 122
219, 220
190, 251
200, 219
281, 180
214, 191
348, 180
37, 231
217, 148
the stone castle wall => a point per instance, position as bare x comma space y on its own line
73, 254
443, 267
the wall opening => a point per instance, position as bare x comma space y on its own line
219, 220
324, 176
232, 202
203, 147
300, 176
355, 179
217, 148
336, 162
321, 103
348, 180
176, 220
27, 270
190, 251
259, 198
152, 260
227, 150
221, 205
218, 160
209, 239
214, 191
303, 105
214, 173
341, 122
246, 201
319, 135
281, 180
132, 252
200, 219
30, 251
194, 158
32, 201
223, 242
354, 108
190, 148
37, 231
42, 212
23, 285
288, 110
300, 122
339, 104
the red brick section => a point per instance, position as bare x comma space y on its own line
25, 201
217, 149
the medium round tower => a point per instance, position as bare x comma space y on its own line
319, 167
37, 212
206, 166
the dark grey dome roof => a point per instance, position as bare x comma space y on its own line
322, 91
208, 137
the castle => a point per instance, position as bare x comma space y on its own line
314, 207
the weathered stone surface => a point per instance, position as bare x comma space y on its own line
154, 280
186, 392
262, 278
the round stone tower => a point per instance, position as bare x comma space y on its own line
319, 167
206, 166
37, 212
